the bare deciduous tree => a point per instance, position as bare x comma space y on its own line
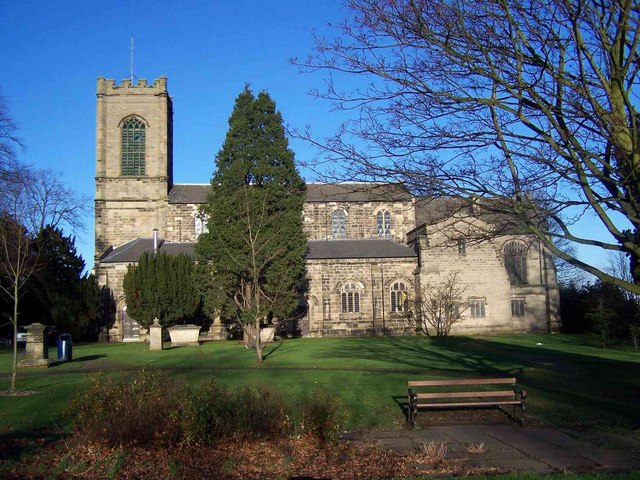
30, 200
438, 306
8, 140
532, 103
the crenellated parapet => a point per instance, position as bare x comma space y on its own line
109, 87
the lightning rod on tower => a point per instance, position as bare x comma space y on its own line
131, 59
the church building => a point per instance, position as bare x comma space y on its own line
373, 248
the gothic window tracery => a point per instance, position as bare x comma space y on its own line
399, 297
133, 147
350, 298
515, 261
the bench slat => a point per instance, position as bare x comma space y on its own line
467, 404
494, 393
472, 381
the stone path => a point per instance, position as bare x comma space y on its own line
511, 448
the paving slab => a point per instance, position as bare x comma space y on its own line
511, 448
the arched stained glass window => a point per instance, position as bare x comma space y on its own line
515, 261
384, 224
350, 298
133, 147
339, 223
399, 297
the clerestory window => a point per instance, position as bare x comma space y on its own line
339, 224
383, 219
133, 147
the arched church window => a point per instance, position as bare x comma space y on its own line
384, 223
350, 298
133, 147
339, 224
399, 297
515, 261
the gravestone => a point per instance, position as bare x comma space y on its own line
36, 349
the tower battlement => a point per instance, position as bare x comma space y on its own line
108, 86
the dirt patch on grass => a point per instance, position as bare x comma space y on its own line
17, 393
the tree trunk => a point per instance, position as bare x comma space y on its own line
258, 342
14, 368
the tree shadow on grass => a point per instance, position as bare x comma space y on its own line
85, 358
564, 387
16, 445
271, 349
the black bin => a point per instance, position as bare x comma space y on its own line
65, 347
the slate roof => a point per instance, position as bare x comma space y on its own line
131, 251
189, 193
356, 192
316, 192
495, 212
316, 249
368, 248
433, 210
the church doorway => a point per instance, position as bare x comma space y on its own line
130, 328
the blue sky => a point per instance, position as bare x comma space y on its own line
53, 51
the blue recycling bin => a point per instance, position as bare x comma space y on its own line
65, 347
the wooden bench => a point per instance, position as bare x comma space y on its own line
477, 392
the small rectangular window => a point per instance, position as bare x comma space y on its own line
517, 307
462, 246
476, 307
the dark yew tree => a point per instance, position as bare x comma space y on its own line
251, 262
58, 292
161, 286
509, 100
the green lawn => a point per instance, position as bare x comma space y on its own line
569, 379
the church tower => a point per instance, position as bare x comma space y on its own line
134, 161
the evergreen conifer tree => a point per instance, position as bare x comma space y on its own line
251, 265
58, 293
161, 286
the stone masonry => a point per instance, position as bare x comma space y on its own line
414, 252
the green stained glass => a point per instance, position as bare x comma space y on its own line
133, 147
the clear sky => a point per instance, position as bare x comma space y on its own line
53, 51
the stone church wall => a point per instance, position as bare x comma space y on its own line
373, 277
481, 270
361, 219
181, 222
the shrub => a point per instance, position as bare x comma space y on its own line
146, 407
324, 415
264, 413
211, 412
133, 409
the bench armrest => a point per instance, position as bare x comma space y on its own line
413, 397
520, 394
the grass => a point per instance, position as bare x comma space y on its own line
533, 476
569, 379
